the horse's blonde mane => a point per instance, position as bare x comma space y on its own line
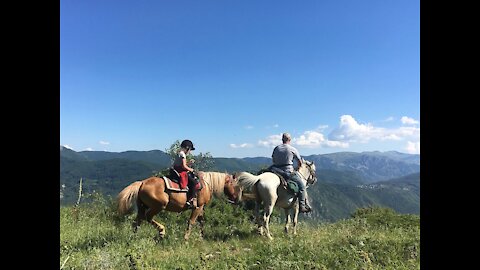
246, 179
215, 181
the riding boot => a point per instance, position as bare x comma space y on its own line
192, 203
194, 197
302, 202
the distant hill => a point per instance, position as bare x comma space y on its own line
237, 164
331, 176
105, 176
346, 180
370, 166
334, 201
412, 180
70, 154
155, 157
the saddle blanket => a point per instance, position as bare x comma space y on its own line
170, 185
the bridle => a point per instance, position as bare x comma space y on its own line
312, 178
228, 180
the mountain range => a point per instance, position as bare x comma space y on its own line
346, 180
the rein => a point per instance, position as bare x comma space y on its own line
310, 171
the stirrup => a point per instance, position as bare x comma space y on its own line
306, 208
192, 203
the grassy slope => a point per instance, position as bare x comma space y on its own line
376, 238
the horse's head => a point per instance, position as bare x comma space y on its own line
231, 189
307, 170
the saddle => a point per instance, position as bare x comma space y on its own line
173, 186
290, 185
171, 182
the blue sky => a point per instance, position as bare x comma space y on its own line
233, 75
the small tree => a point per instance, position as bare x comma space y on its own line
203, 161
173, 150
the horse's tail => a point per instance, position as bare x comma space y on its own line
246, 180
127, 196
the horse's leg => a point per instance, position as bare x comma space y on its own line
266, 218
201, 220
295, 218
287, 219
258, 217
149, 214
193, 218
140, 215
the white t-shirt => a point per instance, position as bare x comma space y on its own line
179, 159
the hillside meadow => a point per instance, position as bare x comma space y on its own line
93, 236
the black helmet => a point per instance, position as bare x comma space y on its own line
187, 144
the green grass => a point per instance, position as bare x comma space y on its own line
93, 237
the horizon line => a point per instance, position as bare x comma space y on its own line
373, 151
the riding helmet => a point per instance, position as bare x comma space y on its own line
187, 144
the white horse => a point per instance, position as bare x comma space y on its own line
267, 188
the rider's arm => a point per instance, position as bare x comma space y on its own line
184, 162
185, 166
297, 156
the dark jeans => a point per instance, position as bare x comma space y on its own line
294, 177
192, 185
301, 187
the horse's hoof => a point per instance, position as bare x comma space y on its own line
159, 238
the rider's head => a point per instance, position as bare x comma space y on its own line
187, 144
286, 137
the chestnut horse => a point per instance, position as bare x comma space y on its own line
151, 197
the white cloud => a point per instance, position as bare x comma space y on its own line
104, 142
391, 136
248, 127
272, 126
309, 139
408, 132
336, 144
413, 147
243, 145
271, 141
389, 119
350, 130
314, 139
408, 121
322, 128
88, 149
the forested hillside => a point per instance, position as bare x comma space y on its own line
335, 201
346, 180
